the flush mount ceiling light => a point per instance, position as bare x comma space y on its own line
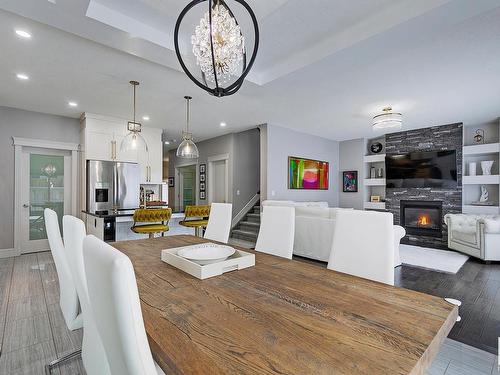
187, 149
73, 104
22, 76
23, 34
387, 120
219, 47
134, 140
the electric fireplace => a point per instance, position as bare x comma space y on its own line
422, 218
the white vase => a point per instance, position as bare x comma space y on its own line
486, 167
472, 169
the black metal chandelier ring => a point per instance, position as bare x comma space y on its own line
236, 85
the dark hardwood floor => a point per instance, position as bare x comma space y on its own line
476, 284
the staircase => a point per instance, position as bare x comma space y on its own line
245, 233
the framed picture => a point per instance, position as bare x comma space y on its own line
350, 181
202, 177
202, 195
203, 168
171, 182
307, 174
375, 198
202, 186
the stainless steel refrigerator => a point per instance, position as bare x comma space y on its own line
112, 185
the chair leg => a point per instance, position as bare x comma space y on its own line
59, 361
151, 235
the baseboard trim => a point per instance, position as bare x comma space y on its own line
7, 253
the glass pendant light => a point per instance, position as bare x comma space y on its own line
134, 141
187, 149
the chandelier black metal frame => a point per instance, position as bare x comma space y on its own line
218, 90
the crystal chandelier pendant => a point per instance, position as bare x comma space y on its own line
218, 46
226, 40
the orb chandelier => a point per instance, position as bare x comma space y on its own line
187, 148
387, 120
134, 140
218, 45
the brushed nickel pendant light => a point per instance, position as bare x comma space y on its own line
134, 141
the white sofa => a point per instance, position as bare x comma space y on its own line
475, 235
314, 229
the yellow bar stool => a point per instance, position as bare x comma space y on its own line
196, 217
158, 217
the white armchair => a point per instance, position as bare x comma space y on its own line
475, 235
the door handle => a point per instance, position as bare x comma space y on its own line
26, 205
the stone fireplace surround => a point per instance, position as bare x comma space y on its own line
445, 137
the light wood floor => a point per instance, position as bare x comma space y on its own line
33, 332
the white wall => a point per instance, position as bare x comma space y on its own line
282, 143
20, 123
351, 159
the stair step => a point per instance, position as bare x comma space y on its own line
256, 216
250, 223
245, 235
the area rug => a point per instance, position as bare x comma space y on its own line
432, 259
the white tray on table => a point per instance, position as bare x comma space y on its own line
239, 260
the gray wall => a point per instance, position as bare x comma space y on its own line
244, 158
246, 173
351, 159
19, 123
282, 143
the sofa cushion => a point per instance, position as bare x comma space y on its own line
491, 224
312, 211
278, 203
334, 210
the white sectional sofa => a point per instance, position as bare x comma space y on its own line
314, 229
475, 235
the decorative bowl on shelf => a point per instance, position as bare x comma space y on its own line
207, 253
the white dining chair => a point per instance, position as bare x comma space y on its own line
363, 245
114, 300
68, 297
93, 355
219, 222
277, 231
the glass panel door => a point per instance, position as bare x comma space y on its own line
45, 183
46, 191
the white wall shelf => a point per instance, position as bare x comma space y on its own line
374, 205
481, 180
375, 181
380, 158
471, 189
471, 209
489, 148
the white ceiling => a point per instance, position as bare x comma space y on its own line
324, 66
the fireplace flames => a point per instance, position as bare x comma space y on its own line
424, 220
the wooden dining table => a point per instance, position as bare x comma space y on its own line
282, 317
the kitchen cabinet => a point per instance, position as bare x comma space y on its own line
152, 162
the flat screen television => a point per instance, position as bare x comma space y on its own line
437, 169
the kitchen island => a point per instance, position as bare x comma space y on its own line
111, 225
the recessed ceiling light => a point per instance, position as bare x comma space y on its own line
223, 124
73, 104
22, 76
145, 118
167, 142
23, 34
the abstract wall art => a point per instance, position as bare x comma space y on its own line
307, 174
350, 181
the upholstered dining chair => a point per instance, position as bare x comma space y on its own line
196, 217
157, 219
363, 245
93, 355
114, 299
277, 231
219, 222
68, 297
